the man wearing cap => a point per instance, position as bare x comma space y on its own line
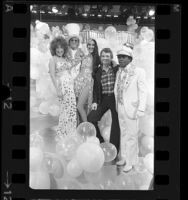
130, 93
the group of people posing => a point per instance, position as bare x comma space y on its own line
89, 85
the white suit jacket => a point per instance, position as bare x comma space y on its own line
134, 92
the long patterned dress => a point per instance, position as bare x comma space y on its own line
67, 119
84, 79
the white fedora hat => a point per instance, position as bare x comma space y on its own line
125, 51
73, 30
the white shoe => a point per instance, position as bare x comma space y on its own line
127, 168
121, 162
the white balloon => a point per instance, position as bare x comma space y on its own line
74, 169
149, 162
148, 35
34, 55
110, 29
110, 33
33, 101
146, 125
72, 29
144, 57
42, 28
34, 73
93, 140
90, 157
39, 180
36, 158
35, 109
102, 43
45, 88
36, 140
54, 110
44, 108
39, 61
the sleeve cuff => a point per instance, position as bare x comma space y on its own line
141, 110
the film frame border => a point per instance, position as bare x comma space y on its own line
166, 105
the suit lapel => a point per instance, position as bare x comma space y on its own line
130, 75
115, 87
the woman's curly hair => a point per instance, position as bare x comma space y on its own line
58, 41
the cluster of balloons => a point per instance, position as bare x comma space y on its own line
39, 70
42, 164
84, 153
44, 107
144, 58
80, 158
146, 141
54, 165
39, 177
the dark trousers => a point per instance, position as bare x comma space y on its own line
108, 102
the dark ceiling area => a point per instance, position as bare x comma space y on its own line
144, 15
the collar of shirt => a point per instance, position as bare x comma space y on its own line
73, 52
106, 70
125, 69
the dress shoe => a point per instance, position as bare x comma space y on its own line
121, 162
127, 168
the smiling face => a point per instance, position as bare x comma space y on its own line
74, 43
59, 51
106, 58
90, 46
123, 60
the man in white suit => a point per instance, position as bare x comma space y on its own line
130, 93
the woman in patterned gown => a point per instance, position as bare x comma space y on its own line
83, 83
60, 72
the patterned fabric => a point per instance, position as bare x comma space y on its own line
108, 81
120, 85
67, 119
79, 55
85, 79
61, 66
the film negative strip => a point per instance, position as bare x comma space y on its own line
16, 128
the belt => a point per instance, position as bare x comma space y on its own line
108, 95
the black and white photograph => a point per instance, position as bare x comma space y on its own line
92, 70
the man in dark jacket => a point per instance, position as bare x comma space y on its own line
103, 96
